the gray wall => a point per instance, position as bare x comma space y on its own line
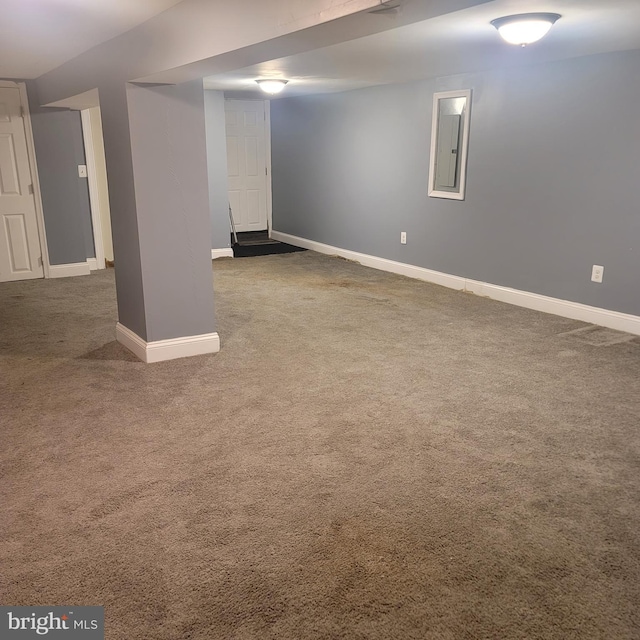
65, 197
552, 178
217, 168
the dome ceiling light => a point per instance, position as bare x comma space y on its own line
525, 28
272, 86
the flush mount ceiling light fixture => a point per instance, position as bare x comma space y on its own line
525, 28
272, 86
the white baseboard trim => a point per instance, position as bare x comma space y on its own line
565, 308
167, 349
93, 264
222, 253
69, 270
409, 270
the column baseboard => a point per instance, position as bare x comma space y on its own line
171, 349
222, 253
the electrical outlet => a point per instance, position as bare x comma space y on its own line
403, 237
597, 273
82, 170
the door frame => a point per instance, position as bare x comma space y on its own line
33, 166
267, 153
94, 198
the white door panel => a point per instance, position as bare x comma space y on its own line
4, 113
246, 163
251, 154
17, 244
9, 182
20, 257
233, 160
254, 206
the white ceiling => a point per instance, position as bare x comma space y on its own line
459, 42
39, 35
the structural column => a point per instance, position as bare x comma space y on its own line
155, 148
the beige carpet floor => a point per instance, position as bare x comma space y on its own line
368, 456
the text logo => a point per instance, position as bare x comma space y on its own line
72, 623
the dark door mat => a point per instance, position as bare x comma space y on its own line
267, 249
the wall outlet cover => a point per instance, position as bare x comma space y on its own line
597, 273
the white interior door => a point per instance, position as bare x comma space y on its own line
246, 163
20, 255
